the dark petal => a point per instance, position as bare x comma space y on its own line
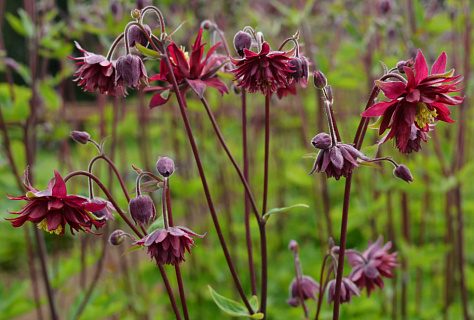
59, 188
54, 219
392, 90
336, 157
413, 96
421, 68
378, 109
439, 67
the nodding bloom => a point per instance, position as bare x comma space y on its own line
414, 141
265, 71
167, 246
190, 72
348, 289
96, 72
53, 208
130, 72
308, 287
373, 264
420, 101
338, 160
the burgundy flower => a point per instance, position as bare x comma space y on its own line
348, 289
53, 208
104, 213
194, 72
373, 264
167, 246
130, 71
420, 101
96, 72
414, 140
309, 287
265, 71
336, 161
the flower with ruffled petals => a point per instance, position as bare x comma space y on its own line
265, 71
308, 287
338, 160
53, 208
373, 264
348, 289
167, 246
130, 71
193, 72
96, 72
420, 101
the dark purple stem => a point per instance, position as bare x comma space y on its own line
267, 152
321, 287
170, 292
114, 169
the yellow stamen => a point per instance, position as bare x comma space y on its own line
424, 115
182, 48
44, 225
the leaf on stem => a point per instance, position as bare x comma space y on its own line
147, 52
267, 215
235, 308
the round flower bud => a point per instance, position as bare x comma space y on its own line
242, 40
142, 210
80, 136
116, 238
207, 25
403, 173
402, 64
135, 35
165, 166
130, 71
293, 246
299, 66
322, 141
319, 80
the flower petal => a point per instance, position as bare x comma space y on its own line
392, 90
439, 67
421, 68
59, 188
378, 109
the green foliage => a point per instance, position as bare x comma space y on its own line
235, 308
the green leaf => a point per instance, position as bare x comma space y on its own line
232, 307
27, 23
370, 151
157, 224
134, 248
254, 303
16, 24
310, 156
147, 52
376, 124
279, 210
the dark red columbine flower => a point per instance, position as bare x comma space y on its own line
265, 71
348, 289
373, 264
308, 286
130, 71
96, 72
336, 161
420, 101
195, 72
167, 246
53, 208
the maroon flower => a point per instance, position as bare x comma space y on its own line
167, 246
373, 264
96, 72
193, 72
130, 71
348, 289
265, 71
420, 101
336, 161
53, 208
308, 286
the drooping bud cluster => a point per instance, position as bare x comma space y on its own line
242, 40
165, 166
142, 210
308, 287
130, 71
136, 35
300, 68
81, 137
319, 80
403, 173
348, 289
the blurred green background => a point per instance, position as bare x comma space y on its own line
344, 39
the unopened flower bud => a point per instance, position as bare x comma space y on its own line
403, 173
207, 25
135, 13
319, 80
329, 96
165, 166
80, 136
242, 40
142, 210
136, 35
385, 6
299, 66
116, 238
321, 141
402, 64
130, 71
293, 246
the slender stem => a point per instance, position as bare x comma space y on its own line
96, 277
232, 159
158, 13
170, 292
181, 292
204, 183
264, 274
164, 203
267, 152
332, 131
109, 196
299, 277
321, 287
168, 203
248, 236
114, 46
114, 168
406, 237
32, 269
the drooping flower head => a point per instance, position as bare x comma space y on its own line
373, 264
190, 72
130, 71
53, 208
336, 160
96, 72
265, 71
348, 289
308, 287
420, 101
167, 246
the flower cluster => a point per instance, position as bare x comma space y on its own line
53, 208
415, 104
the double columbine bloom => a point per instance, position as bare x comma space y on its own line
415, 104
373, 264
190, 72
53, 208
